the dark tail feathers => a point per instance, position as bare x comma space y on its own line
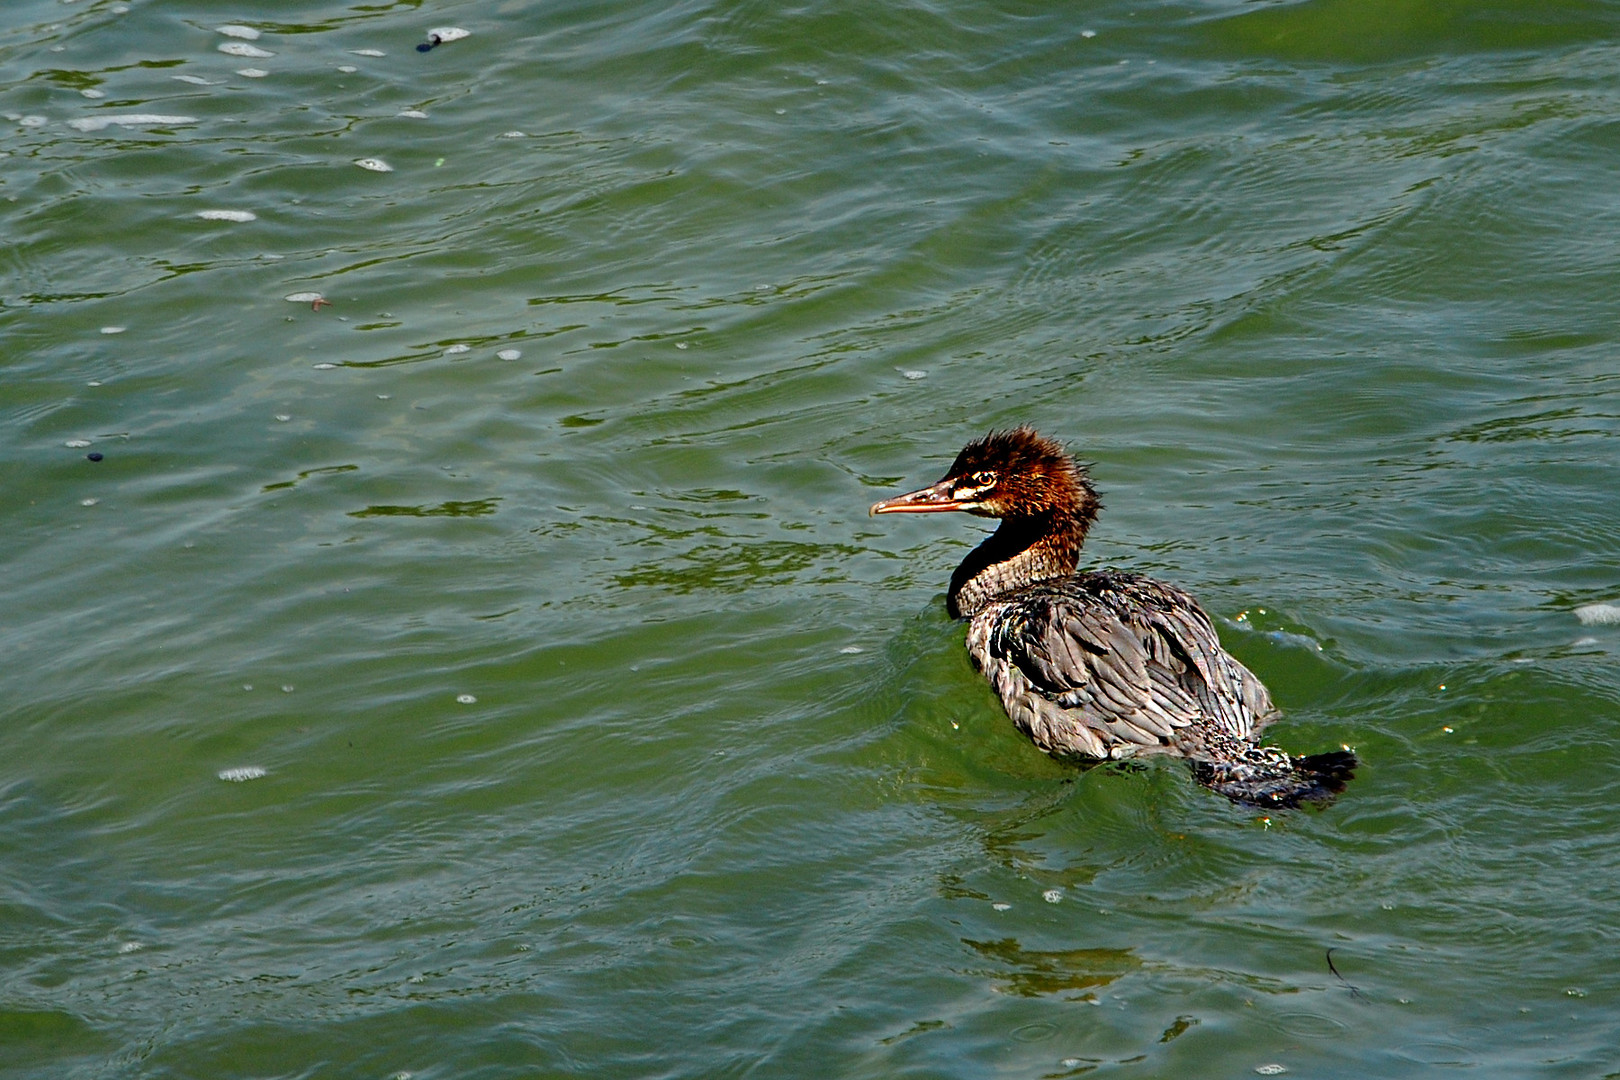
1268, 778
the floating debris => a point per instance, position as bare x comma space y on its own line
509, 354
413, 114
1052, 896
306, 298
128, 120
88, 502
93, 94
1000, 906
283, 417
466, 699
246, 33
76, 444
31, 121
252, 73
93, 455
440, 35
227, 215
457, 350
1599, 614
914, 374
851, 650
1271, 1070
245, 51
374, 164
347, 69
242, 773
113, 329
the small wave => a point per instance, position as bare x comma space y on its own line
1599, 614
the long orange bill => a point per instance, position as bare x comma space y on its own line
929, 500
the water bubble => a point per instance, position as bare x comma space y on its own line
1575, 992
510, 354
914, 374
374, 164
466, 699
233, 30
1599, 614
247, 686
96, 123
76, 444
245, 51
1088, 33
287, 688
241, 774
227, 215
252, 73
1052, 896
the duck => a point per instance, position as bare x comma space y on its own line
1105, 664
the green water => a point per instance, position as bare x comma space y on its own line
601, 732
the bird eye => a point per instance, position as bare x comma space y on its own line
985, 477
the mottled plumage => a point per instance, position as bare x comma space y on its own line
1102, 664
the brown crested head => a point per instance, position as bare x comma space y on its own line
1007, 474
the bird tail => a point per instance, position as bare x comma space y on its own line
1268, 778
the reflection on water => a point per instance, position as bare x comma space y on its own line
1031, 972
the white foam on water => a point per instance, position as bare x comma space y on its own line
998, 906
252, 73
304, 297
129, 120
915, 374
246, 33
245, 51
347, 69
131, 946
113, 329
457, 350
242, 773
466, 699
851, 650
1271, 1070
1599, 614
76, 444
227, 215
88, 502
32, 121
374, 164
414, 114
448, 33
513, 134
1088, 33
510, 354
1052, 896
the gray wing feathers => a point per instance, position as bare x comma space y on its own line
1114, 666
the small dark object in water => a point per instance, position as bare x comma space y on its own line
94, 455
1101, 663
433, 39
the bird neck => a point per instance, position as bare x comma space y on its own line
1021, 552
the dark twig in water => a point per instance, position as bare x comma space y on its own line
1353, 991
433, 39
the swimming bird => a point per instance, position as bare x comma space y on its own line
1102, 664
